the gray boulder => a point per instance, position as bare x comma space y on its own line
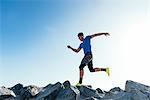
27, 92
138, 95
65, 91
138, 90
100, 91
89, 93
114, 94
49, 92
66, 84
68, 92
33, 90
6, 93
17, 89
133, 91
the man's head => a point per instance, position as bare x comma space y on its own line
81, 36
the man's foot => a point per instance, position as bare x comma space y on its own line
78, 84
107, 71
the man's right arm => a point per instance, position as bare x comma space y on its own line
73, 49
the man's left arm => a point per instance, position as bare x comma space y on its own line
99, 34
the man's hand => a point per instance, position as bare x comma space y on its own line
75, 50
69, 46
106, 34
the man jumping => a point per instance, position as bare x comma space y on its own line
87, 59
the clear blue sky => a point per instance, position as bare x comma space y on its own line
35, 33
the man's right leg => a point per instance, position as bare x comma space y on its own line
81, 76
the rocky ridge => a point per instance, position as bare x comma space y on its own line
65, 91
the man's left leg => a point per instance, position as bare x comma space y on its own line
90, 66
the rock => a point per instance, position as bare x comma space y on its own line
7, 97
87, 92
28, 92
114, 94
66, 84
115, 89
138, 90
65, 91
135, 85
17, 89
138, 95
6, 93
100, 91
25, 94
133, 91
33, 90
121, 96
49, 92
69, 93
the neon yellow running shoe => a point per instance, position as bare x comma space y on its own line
78, 84
107, 71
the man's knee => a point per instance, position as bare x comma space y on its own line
92, 70
81, 66
90, 66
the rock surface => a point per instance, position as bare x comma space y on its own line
65, 91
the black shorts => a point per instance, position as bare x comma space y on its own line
87, 60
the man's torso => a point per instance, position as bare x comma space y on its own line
86, 45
